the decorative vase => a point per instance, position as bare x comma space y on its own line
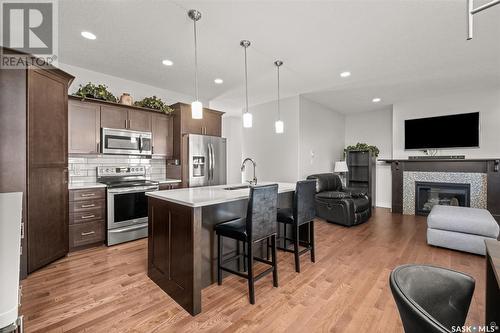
126, 99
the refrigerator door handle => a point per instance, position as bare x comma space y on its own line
209, 161
213, 160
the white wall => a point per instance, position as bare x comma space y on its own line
276, 155
322, 132
117, 86
486, 102
374, 128
232, 130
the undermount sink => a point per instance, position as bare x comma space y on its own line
237, 187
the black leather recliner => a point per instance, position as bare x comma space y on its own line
340, 205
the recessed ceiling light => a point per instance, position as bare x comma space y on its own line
345, 74
219, 81
167, 62
88, 35
376, 100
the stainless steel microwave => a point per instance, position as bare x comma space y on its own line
125, 142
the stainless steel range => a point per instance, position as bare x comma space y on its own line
127, 204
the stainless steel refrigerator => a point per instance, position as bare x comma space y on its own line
207, 160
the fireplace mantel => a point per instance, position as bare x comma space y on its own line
488, 166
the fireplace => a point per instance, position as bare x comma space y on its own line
428, 194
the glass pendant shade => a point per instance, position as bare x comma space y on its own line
247, 120
196, 110
279, 126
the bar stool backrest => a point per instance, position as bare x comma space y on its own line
261, 213
303, 204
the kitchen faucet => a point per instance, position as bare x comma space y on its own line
254, 181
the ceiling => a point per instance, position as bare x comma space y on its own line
395, 49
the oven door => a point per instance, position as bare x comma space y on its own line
128, 206
115, 141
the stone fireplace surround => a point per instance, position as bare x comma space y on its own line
477, 181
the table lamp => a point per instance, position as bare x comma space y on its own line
341, 168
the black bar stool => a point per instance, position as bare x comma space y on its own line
259, 225
303, 212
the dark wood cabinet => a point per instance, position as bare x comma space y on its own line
139, 120
170, 186
213, 123
162, 137
362, 172
47, 190
123, 118
47, 226
83, 127
34, 158
87, 117
87, 216
114, 117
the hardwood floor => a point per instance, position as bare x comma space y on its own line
346, 290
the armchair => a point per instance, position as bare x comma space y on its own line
340, 205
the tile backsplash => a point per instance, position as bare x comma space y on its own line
84, 168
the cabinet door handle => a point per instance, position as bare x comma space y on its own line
88, 195
88, 233
88, 206
87, 217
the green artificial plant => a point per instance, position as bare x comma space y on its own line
154, 103
99, 91
363, 146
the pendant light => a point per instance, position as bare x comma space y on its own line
247, 116
278, 125
196, 106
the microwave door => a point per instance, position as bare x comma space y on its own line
198, 160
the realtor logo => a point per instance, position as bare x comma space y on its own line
28, 26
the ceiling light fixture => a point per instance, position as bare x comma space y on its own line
376, 100
247, 116
219, 81
196, 106
279, 125
345, 74
167, 62
88, 35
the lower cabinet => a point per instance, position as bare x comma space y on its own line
171, 186
87, 216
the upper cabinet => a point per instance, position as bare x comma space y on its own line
124, 118
211, 124
83, 127
161, 126
114, 117
139, 120
87, 117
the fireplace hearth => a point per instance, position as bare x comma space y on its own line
429, 194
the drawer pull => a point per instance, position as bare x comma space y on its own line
88, 217
88, 233
88, 195
88, 206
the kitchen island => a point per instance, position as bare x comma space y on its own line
182, 247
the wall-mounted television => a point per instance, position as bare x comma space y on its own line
453, 131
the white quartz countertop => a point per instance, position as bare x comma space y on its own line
211, 195
83, 185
